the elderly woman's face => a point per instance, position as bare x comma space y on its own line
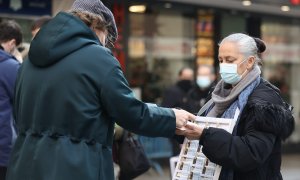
229, 53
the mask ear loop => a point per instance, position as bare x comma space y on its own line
243, 61
242, 75
254, 61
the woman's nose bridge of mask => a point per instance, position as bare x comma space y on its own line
238, 64
230, 73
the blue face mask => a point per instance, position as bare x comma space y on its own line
203, 81
229, 73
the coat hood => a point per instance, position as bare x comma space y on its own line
272, 113
59, 38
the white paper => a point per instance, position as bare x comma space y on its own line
192, 163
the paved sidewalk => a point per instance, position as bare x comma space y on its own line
290, 169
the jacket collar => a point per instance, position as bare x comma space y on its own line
4, 55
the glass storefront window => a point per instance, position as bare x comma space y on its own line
282, 63
161, 42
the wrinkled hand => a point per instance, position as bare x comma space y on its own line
182, 117
192, 131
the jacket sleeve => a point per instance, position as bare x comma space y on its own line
243, 153
275, 119
8, 77
120, 104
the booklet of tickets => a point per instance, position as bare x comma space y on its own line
192, 163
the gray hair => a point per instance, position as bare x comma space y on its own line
247, 45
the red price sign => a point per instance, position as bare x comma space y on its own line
295, 2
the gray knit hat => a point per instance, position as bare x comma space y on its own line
98, 8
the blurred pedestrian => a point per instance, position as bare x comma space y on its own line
253, 150
35, 27
17, 55
70, 93
198, 95
38, 23
175, 96
10, 38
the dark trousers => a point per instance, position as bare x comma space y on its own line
2, 172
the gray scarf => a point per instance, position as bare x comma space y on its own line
223, 97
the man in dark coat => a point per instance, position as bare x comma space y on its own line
175, 96
10, 38
68, 96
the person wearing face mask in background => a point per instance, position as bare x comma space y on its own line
10, 38
198, 95
253, 150
175, 96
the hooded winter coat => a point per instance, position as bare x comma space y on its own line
69, 94
255, 152
8, 73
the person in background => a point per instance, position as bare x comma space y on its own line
175, 96
10, 38
198, 95
253, 150
38, 23
18, 54
68, 96
23, 49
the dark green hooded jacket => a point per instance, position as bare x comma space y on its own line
68, 96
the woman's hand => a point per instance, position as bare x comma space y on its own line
193, 131
182, 118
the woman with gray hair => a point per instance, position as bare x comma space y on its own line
253, 150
